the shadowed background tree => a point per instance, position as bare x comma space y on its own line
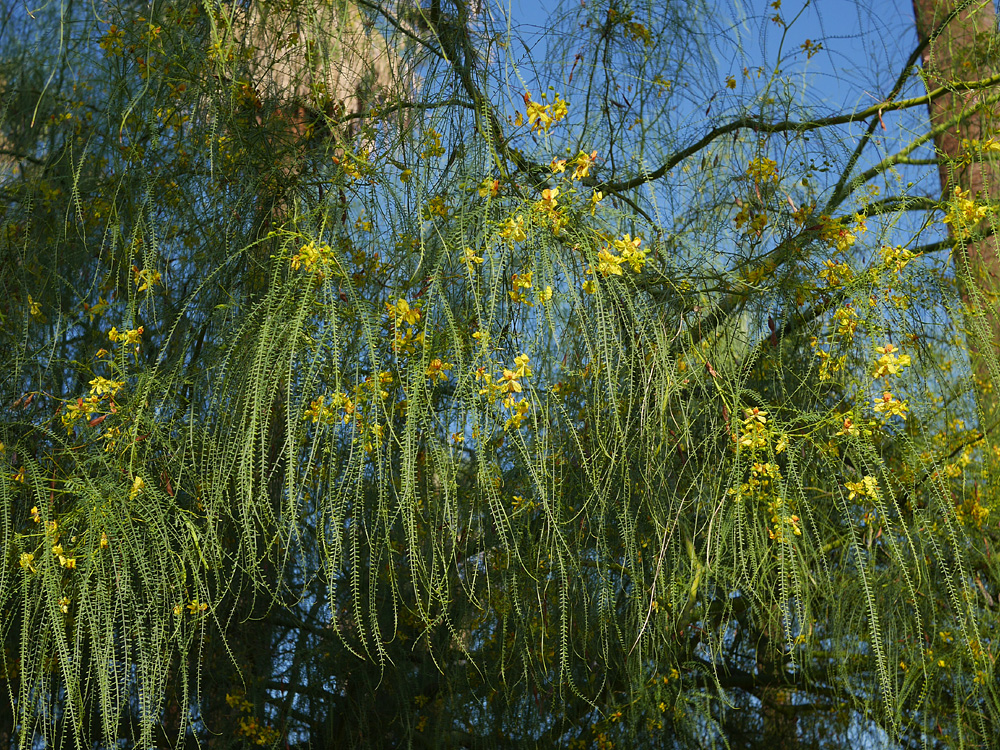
368, 392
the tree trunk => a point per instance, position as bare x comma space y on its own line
963, 52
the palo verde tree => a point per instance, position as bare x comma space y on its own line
381, 379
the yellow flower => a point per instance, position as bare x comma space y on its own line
510, 384
963, 213
847, 321
100, 386
856, 489
608, 264
762, 169
513, 229
521, 410
890, 362
130, 337
549, 201
402, 312
489, 187
27, 561
849, 428
835, 273
146, 279
433, 147
470, 259
521, 282
630, 252
521, 364
559, 109
896, 257
34, 309
438, 370
437, 206
137, 486
538, 116
558, 166
583, 162
890, 406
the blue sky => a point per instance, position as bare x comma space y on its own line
862, 38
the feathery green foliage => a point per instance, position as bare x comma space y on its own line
378, 379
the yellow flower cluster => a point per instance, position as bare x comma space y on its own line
542, 116
583, 162
470, 259
103, 387
847, 321
401, 312
867, 487
35, 309
896, 257
610, 263
138, 485
508, 385
549, 202
438, 370
964, 214
971, 510
890, 362
762, 486
406, 342
514, 229
630, 252
322, 412
754, 430
489, 187
432, 145
835, 274
834, 232
342, 408
146, 279
827, 363
131, 337
82, 408
313, 257
888, 406
64, 560
549, 206
100, 388
762, 170
755, 221
194, 607
436, 206
520, 283
113, 41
